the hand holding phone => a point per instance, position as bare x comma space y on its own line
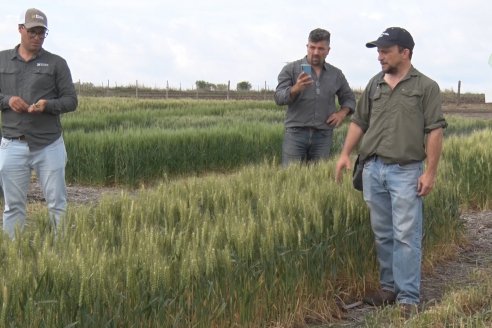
306, 68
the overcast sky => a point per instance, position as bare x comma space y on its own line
180, 42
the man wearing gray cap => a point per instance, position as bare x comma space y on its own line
35, 88
399, 119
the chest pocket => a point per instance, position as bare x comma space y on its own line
411, 100
378, 100
43, 77
8, 70
43, 70
7, 78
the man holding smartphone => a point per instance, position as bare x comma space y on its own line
308, 87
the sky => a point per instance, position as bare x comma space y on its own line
160, 43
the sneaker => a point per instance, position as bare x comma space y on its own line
380, 297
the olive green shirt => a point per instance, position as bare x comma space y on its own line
396, 121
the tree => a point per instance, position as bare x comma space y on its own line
204, 85
221, 87
243, 86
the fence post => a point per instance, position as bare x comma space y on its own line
459, 93
228, 88
136, 88
167, 89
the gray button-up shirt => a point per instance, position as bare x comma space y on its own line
313, 106
45, 76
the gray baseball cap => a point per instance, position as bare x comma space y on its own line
33, 17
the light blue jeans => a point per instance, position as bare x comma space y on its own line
390, 191
16, 164
305, 145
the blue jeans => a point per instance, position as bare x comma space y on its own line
390, 191
16, 165
305, 145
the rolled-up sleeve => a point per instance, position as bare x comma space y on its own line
432, 102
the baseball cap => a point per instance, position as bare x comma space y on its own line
33, 17
393, 36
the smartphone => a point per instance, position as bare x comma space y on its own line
306, 68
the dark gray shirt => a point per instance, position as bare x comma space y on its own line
46, 76
313, 106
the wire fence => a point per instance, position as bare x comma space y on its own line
89, 90
176, 94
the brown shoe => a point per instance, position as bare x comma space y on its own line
380, 297
408, 310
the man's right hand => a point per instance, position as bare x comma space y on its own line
303, 81
343, 163
354, 134
17, 104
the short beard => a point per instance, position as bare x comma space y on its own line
391, 70
320, 62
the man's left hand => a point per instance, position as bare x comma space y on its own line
38, 107
336, 118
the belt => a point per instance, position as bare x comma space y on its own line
376, 157
19, 138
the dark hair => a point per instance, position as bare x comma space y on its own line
318, 35
400, 49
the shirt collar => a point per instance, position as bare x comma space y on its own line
15, 53
412, 72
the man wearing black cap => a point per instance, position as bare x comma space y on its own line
35, 88
398, 109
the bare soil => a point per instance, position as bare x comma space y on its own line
76, 194
469, 110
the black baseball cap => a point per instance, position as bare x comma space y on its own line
393, 36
